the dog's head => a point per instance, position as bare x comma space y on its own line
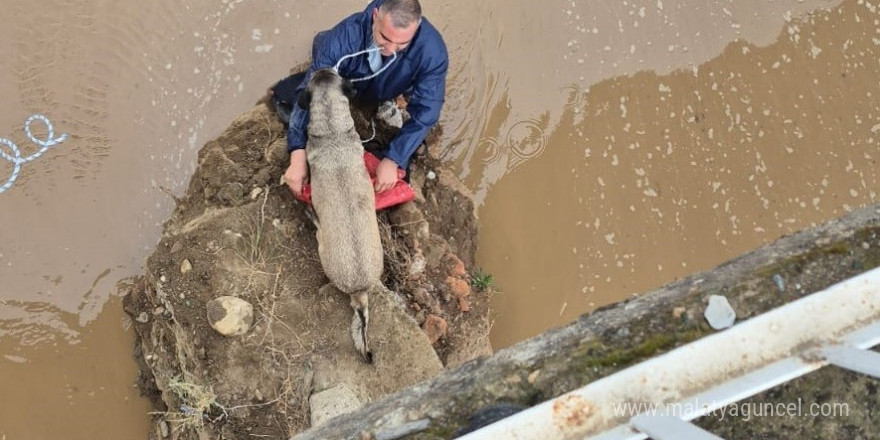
326, 81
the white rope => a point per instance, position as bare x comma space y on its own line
372, 124
374, 49
16, 158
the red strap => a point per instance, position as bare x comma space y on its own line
401, 192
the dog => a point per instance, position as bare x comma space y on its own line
349, 245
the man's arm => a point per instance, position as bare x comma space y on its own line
327, 48
424, 110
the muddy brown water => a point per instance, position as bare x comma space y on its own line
665, 139
611, 148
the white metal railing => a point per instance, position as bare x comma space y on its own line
836, 326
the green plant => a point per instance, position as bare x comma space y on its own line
482, 281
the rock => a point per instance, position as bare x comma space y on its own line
277, 153
263, 177
230, 316
402, 431
421, 295
780, 282
435, 327
255, 193
458, 269
420, 319
411, 221
678, 312
185, 267
143, 318
464, 305
432, 175
163, 429
232, 194
719, 313
338, 400
427, 300
533, 376
176, 247
418, 265
458, 287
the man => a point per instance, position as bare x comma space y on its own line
412, 59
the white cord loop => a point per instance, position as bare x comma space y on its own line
338, 63
16, 158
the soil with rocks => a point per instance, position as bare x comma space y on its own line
238, 232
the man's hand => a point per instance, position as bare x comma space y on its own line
297, 173
386, 175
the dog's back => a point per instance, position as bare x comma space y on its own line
348, 234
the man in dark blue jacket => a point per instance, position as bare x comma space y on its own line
412, 58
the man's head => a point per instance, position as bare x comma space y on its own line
395, 23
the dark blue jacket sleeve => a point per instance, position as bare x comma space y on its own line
424, 109
327, 48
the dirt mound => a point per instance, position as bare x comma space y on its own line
239, 232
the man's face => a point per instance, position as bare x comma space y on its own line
389, 38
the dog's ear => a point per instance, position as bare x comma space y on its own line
348, 89
305, 99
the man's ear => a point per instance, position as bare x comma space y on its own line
348, 89
305, 99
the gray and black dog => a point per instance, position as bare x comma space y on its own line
349, 245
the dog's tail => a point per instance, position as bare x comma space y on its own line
360, 323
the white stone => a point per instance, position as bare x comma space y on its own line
230, 316
185, 266
719, 313
327, 404
418, 266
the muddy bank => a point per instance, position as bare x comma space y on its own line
238, 232
610, 339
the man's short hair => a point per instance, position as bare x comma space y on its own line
403, 12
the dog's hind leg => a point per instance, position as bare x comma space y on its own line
360, 325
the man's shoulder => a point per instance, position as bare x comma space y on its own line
350, 31
431, 39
